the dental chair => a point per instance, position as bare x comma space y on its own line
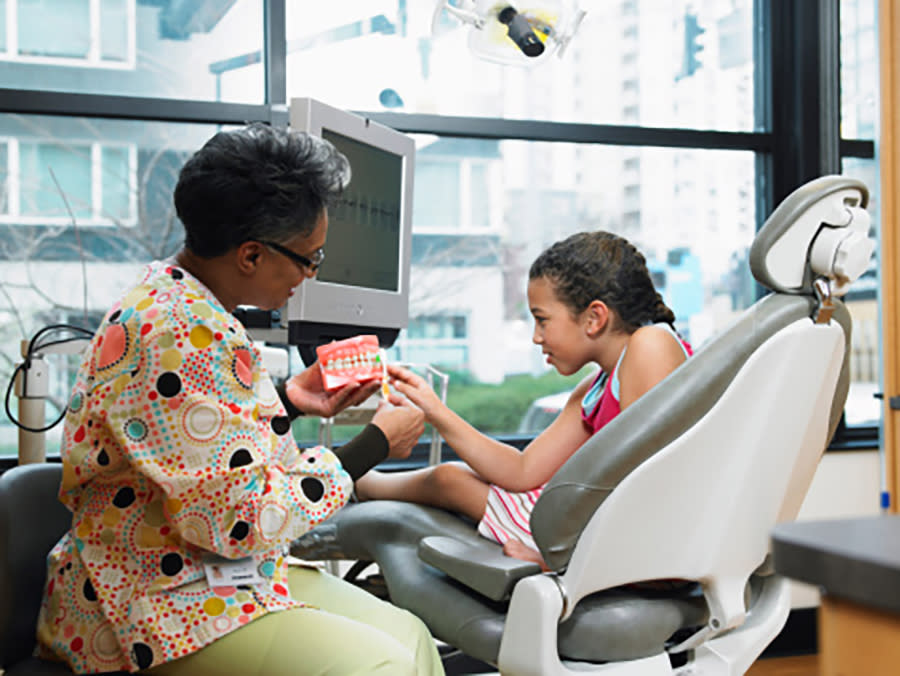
686, 484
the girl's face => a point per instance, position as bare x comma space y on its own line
560, 335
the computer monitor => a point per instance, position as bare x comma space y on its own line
363, 283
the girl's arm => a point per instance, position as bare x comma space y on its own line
494, 461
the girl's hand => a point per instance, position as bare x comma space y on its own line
416, 389
306, 391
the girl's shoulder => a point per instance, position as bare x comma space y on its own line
653, 347
654, 337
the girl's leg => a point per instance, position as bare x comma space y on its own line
523, 552
345, 631
450, 485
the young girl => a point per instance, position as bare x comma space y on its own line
593, 301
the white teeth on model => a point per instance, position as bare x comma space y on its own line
357, 361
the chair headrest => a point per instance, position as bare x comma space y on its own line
819, 230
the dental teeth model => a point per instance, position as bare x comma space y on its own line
354, 360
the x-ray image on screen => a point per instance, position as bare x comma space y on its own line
363, 247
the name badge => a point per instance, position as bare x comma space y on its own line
222, 572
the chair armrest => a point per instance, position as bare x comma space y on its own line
481, 565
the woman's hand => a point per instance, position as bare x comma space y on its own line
402, 424
306, 391
416, 389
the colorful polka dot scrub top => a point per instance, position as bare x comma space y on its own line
175, 445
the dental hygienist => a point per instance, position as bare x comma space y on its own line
179, 466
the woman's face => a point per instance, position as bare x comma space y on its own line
559, 334
280, 274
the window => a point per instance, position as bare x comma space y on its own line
437, 208
4, 177
66, 31
486, 201
382, 56
179, 50
51, 272
859, 69
455, 185
430, 326
863, 409
859, 110
115, 31
696, 239
480, 213
3, 26
64, 179
439, 340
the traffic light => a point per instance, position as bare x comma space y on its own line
692, 47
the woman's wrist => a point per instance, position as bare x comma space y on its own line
292, 410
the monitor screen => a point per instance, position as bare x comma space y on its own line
363, 283
364, 227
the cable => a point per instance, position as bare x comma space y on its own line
33, 348
21, 367
54, 327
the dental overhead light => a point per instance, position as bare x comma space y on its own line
515, 34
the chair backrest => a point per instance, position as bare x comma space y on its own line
706, 463
31, 521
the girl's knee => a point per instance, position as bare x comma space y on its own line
447, 476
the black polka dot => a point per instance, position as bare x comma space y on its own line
88, 590
281, 424
103, 458
312, 488
177, 274
124, 497
240, 531
171, 564
168, 384
114, 316
141, 655
240, 458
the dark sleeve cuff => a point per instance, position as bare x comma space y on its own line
292, 411
363, 451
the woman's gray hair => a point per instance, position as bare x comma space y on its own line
257, 183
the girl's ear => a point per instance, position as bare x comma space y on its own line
596, 318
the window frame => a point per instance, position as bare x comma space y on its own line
791, 38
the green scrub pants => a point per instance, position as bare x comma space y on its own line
349, 632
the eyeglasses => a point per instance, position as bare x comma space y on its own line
312, 264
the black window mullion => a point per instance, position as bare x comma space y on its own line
275, 50
804, 55
35, 102
571, 132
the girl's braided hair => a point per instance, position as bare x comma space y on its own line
602, 266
